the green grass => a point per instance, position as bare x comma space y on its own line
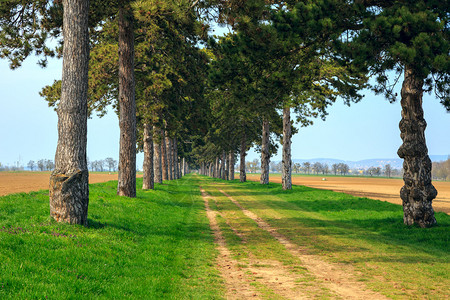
394, 259
158, 245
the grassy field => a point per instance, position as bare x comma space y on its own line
155, 246
159, 245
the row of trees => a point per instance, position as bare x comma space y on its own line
441, 170
205, 99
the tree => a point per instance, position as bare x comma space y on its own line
111, 163
409, 39
127, 104
49, 165
325, 169
388, 170
148, 180
307, 167
31, 165
41, 165
69, 188
317, 167
335, 168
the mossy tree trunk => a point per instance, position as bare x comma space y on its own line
418, 192
69, 182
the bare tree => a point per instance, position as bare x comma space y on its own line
31, 165
49, 165
111, 163
307, 167
335, 168
41, 165
317, 167
388, 170
325, 169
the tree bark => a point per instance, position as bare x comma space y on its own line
265, 154
418, 192
231, 166
227, 165
148, 178
69, 188
175, 159
127, 105
184, 168
217, 168
286, 168
165, 173
169, 158
157, 164
242, 173
223, 166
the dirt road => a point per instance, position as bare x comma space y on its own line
24, 182
374, 188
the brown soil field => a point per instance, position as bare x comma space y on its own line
374, 188
24, 182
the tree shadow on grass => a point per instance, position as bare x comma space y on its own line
386, 233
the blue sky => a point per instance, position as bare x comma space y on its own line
369, 129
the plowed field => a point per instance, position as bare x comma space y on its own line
374, 188
18, 182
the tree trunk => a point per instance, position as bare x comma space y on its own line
164, 161
286, 168
265, 154
175, 158
227, 166
231, 166
69, 188
418, 192
223, 166
242, 173
169, 158
148, 178
127, 106
217, 168
183, 168
157, 159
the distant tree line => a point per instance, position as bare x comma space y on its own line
324, 169
102, 165
441, 170
108, 164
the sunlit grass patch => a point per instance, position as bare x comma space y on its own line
157, 245
369, 234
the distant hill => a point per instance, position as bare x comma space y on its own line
395, 163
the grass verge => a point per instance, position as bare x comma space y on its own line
155, 246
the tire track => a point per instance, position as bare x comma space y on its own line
236, 285
337, 278
270, 275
